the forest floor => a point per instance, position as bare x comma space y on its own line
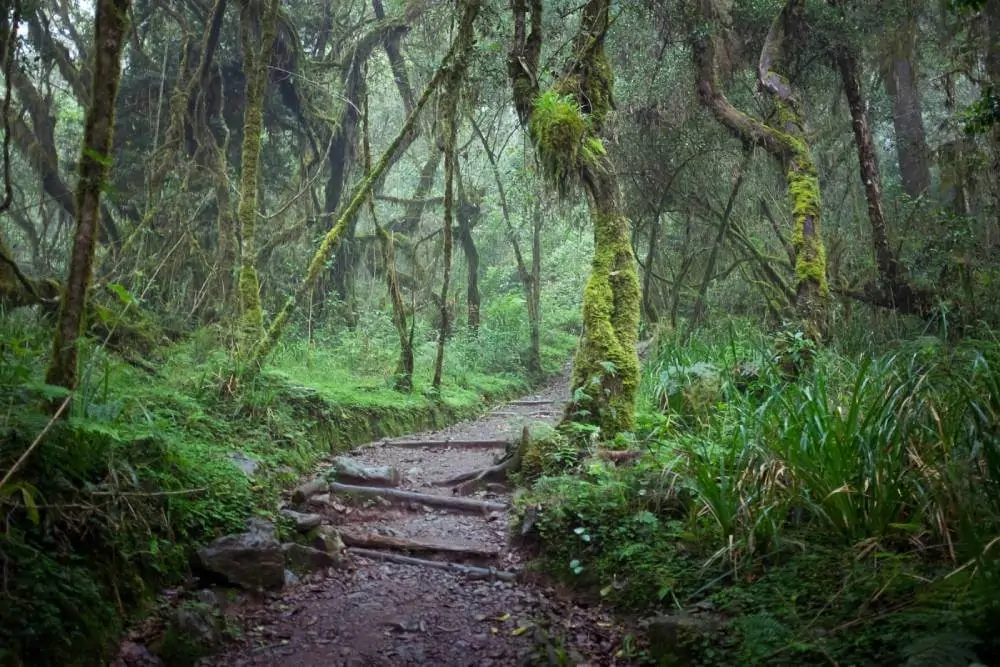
370, 612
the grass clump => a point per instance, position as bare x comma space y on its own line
845, 515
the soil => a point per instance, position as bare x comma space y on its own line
377, 613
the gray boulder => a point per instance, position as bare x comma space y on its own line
250, 560
301, 558
303, 522
350, 471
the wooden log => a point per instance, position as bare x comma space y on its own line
541, 401
457, 444
375, 541
469, 570
424, 498
304, 492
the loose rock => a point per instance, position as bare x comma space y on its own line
352, 471
251, 560
306, 559
303, 522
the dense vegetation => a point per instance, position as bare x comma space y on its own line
238, 234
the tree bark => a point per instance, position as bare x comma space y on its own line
894, 284
648, 309
256, 56
903, 87
110, 28
449, 132
606, 367
468, 212
788, 144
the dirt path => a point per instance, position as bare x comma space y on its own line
377, 613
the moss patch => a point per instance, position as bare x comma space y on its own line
557, 129
606, 368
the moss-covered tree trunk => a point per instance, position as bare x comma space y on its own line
564, 123
606, 367
800, 171
787, 142
110, 28
256, 55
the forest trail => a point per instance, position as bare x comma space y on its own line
373, 612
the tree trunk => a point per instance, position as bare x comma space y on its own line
648, 309
534, 298
606, 368
110, 28
894, 284
902, 86
449, 131
256, 56
468, 212
788, 144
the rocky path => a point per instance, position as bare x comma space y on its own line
370, 611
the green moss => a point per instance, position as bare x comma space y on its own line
606, 368
557, 129
252, 313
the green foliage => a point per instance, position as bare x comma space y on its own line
843, 515
108, 508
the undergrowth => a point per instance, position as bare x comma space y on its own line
849, 515
154, 460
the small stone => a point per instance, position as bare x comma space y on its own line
290, 578
320, 499
494, 515
244, 463
327, 539
351, 471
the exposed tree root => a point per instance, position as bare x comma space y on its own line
376, 541
458, 444
469, 570
423, 498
